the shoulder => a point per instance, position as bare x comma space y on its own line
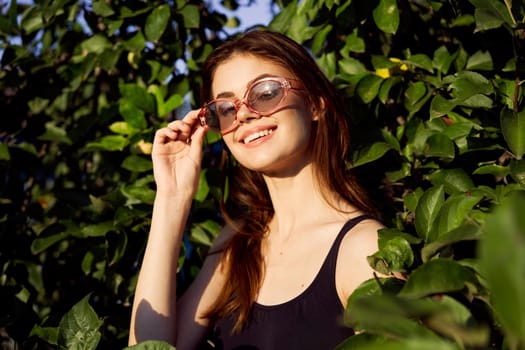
352, 265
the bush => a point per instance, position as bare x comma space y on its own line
434, 88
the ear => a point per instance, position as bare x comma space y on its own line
318, 110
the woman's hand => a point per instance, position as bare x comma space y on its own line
176, 154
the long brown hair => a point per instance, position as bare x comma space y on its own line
249, 202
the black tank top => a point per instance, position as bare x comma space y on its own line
312, 320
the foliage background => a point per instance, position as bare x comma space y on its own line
434, 89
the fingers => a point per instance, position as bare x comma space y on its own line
186, 130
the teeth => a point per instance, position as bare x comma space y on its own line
256, 135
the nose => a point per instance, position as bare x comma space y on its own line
244, 113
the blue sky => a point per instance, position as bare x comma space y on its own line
259, 12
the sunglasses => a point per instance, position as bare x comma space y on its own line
262, 97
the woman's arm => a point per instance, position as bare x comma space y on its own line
176, 159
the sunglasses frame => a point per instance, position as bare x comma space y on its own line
287, 84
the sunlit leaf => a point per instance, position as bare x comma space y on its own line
427, 211
368, 87
156, 22
395, 255
151, 345
96, 43
137, 163
503, 265
463, 233
4, 152
437, 276
490, 14
439, 145
513, 129
386, 16
190, 14
79, 327
454, 180
481, 60
370, 153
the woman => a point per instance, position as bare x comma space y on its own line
299, 227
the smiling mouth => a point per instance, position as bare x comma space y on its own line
256, 135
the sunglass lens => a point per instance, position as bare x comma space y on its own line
265, 96
220, 115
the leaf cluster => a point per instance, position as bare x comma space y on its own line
434, 91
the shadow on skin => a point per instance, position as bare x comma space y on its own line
146, 315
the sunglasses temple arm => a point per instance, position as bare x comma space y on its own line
202, 117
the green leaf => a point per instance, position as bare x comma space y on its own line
466, 84
370, 153
415, 96
390, 316
468, 232
163, 108
42, 243
138, 193
410, 343
203, 189
97, 230
384, 91
138, 96
156, 22
122, 128
137, 163
387, 234
436, 277
481, 60
439, 145
427, 211
101, 8
78, 328
442, 59
421, 61
492, 169
395, 255
4, 152
55, 133
320, 38
363, 341
517, 171
386, 16
454, 211
136, 43
32, 20
455, 322
503, 266
133, 116
151, 345
513, 129
455, 180
353, 43
96, 44
368, 87
109, 143
191, 16
352, 66
441, 106
491, 14
199, 235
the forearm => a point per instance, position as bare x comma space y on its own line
154, 306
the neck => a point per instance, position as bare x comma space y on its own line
298, 202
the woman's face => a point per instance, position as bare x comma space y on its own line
276, 144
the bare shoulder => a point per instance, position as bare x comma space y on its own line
361, 236
352, 265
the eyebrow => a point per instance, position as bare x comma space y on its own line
228, 94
